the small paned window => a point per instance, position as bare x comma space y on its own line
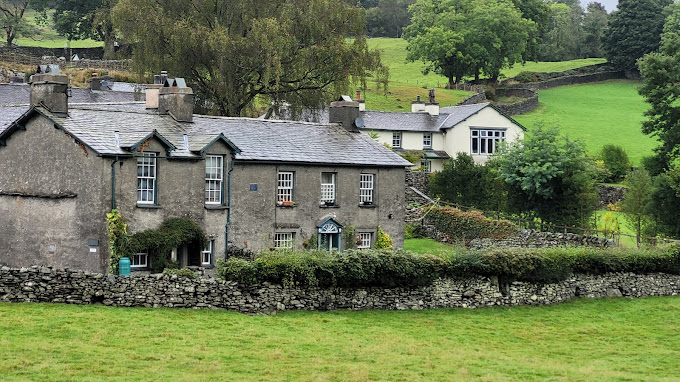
396, 140
207, 253
426, 165
427, 140
284, 191
364, 241
366, 189
283, 240
139, 260
328, 188
146, 178
484, 142
214, 176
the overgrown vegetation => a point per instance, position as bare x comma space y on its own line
367, 268
465, 226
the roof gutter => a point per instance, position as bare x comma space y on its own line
226, 226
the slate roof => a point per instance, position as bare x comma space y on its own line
257, 140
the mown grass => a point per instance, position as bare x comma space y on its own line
609, 112
426, 246
47, 37
583, 340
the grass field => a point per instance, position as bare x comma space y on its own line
583, 340
598, 113
47, 37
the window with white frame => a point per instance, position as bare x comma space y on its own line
366, 188
484, 141
426, 165
396, 140
139, 260
283, 240
207, 253
284, 191
214, 176
427, 140
328, 188
365, 239
146, 178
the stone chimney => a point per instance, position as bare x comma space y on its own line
345, 112
432, 107
417, 105
176, 99
49, 89
153, 89
362, 103
95, 82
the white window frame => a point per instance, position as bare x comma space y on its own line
366, 188
284, 240
328, 189
365, 240
207, 253
486, 140
147, 178
140, 260
214, 179
427, 140
396, 140
285, 186
426, 165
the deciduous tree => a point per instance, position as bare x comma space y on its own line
594, 24
292, 51
12, 19
637, 200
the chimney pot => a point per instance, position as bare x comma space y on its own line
345, 113
50, 89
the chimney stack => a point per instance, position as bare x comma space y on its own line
432, 106
417, 106
153, 89
176, 99
345, 112
362, 103
49, 88
95, 82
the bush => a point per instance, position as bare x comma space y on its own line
616, 162
371, 268
413, 231
465, 226
383, 240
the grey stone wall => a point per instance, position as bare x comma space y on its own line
42, 284
91, 53
609, 194
421, 182
527, 238
571, 80
529, 102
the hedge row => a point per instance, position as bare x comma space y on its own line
369, 268
465, 226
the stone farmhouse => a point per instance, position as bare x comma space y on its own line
248, 183
437, 134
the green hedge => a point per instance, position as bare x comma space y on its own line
465, 226
369, 268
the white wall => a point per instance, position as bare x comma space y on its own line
412, 140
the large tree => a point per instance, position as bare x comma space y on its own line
12, 19
458, 38
388, 18
633, 31
293, 51
661, 89
549, 177
594, 24
564, 38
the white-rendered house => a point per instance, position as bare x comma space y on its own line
440, 134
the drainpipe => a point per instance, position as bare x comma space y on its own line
226, 227
113, 183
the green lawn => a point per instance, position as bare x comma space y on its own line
598, 113
407, 80
583, 340
426, 246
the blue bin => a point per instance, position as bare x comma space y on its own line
124, 266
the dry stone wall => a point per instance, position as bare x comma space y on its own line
42, 284
527, 238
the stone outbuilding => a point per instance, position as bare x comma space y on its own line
248, 183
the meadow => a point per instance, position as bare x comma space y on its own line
582, 340
46, 36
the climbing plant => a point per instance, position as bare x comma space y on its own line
118, 238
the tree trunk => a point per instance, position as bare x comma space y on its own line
109, 45
11, 35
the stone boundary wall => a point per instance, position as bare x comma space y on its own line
571, 80
420, 181
528, 238
609, 194
529, 103
91, 53
473, 99
41, 284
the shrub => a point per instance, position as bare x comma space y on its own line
372, 268
616, 162
413, 231
465, 226
383, 240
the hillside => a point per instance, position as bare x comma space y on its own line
601, 113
